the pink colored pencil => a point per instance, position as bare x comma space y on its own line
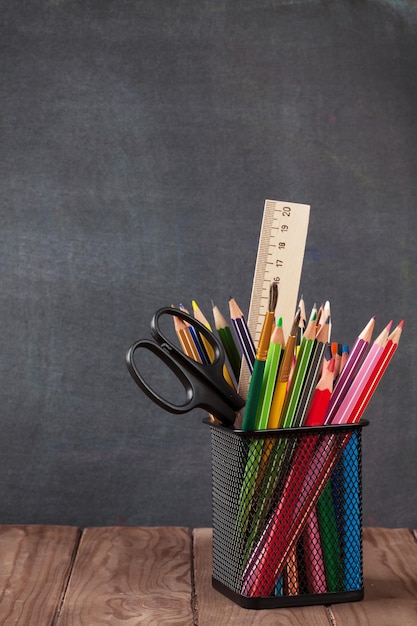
372, 383
349, 371
313, 555
289, 518
361, 379
261, 570
303, 488
300, 467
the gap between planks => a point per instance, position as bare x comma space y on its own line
71, 567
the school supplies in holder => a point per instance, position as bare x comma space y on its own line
288, 533
286, 434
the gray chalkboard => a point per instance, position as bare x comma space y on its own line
139, 140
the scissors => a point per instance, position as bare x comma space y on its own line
204, 384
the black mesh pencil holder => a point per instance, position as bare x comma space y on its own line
287, 515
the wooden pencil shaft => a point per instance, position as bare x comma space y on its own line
250, 412
246, 341
294, 392
309, 384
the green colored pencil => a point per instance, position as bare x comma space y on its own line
329, 536
270, 376
255, 385
298, 378
227, 340
297, 381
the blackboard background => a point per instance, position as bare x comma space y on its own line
139, 140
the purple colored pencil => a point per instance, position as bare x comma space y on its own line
349, 371
243, 334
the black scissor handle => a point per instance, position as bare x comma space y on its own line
160, 352
205, 385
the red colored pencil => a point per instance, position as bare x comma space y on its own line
378, 372
321, 397
363, 377
288, 520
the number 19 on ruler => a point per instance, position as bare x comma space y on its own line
280, 258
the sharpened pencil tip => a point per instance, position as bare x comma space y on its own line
295, 323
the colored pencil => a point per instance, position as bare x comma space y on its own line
242, 333
259, 449
351, 516
332, 557
302, 321
319, 317
281, 453
316, 543
327, 316
313, 555
186, 339
336, 353
196, 337
199, 315
190, 344
287, 521
349, 371
251, 410
255, 385
227, 340
301, 468
280, 535
298, 377
377, 374
361, 379
283, 375
343, 359
321, 397
291, 577
270, 375
311, 377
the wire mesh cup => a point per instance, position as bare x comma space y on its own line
287, 515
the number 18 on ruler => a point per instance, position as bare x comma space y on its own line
280, 258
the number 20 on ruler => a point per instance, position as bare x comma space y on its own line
280, 258
284, 228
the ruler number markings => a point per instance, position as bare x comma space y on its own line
280, 258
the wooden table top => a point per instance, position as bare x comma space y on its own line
126, 576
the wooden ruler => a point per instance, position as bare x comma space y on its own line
280, 258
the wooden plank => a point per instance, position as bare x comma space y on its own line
130, 576
390, 580
35, 562
214, 609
